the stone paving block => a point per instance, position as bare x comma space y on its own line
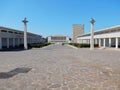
59, 67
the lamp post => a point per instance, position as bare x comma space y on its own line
25, 33
92, 34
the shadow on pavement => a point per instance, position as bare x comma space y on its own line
6, 75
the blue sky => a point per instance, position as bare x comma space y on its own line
55, 17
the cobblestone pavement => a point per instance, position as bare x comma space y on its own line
59, 67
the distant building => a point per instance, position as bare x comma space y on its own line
56, 39
77, 30
12, 38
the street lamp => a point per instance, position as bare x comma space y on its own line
92, 21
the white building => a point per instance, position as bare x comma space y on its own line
109, 37
56, 39
12, 38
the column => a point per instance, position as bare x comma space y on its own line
104, 42
99, 42
109, 42
116, 42
7, 42
0, 43
92, 34
25, 33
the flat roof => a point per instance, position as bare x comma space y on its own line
103, 30
10, 29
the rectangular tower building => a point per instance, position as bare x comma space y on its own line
77, 30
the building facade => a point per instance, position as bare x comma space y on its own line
56, 39
109, 37
77, 30
13, 38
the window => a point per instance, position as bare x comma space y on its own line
3, 31
19, 33
10, 31
16, 32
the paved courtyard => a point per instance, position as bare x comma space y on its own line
59, 67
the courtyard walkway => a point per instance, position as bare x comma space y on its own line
58, 67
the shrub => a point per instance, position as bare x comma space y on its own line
75, 44
39, 45
82, 45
